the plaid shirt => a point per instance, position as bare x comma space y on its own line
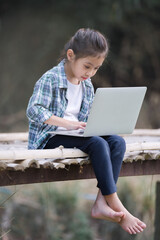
49, 97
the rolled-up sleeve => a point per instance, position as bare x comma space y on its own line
38, 109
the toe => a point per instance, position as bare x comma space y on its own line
133, 230
129, 230
142, 224
116, 218
137, 229
119, 214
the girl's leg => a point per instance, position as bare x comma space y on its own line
100, 210
117, 148
127, 221
99, 152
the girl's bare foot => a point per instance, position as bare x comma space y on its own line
132, 224
106, 213
129, 223
101, 210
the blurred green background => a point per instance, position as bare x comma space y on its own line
61, 211
33, 33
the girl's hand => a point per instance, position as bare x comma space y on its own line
61, 122
74, 125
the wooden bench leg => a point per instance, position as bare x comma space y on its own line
157, 213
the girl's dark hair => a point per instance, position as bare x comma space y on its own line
86, 42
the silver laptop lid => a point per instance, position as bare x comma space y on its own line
115, 110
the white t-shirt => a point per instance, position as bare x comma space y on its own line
74, 96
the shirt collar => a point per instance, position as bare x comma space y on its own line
62, 75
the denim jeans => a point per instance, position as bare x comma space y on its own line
106, 154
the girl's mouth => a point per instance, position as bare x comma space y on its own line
84, 78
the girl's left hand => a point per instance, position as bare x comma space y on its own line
74, 125
68, 124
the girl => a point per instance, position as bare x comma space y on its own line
62, 99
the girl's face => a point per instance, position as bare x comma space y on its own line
82, 68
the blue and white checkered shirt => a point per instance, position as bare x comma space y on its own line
49, 97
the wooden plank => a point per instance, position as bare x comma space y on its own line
13, 136
140, 168
157, 213
33, 175
147, 132
56, 153
23, 136
62, 153
73, 172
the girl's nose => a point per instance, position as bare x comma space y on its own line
90, 73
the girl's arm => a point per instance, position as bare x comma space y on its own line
61, 122
39, 112
38, 106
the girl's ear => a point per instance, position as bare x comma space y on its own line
70, 55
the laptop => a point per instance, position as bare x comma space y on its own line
114, 111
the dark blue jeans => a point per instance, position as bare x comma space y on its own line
106, 154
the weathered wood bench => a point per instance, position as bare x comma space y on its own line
21, 166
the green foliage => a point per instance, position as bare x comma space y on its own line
80, 227
51, 214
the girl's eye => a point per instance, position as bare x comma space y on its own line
87, 67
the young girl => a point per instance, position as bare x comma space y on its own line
61, 100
